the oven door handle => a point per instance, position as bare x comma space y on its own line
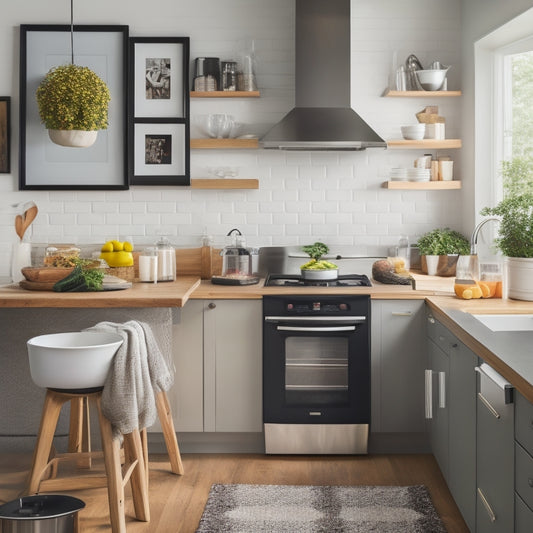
337, 319
316, 328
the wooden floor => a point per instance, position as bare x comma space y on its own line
177, 502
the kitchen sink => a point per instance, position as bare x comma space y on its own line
507, 322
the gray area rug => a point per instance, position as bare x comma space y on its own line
310, 509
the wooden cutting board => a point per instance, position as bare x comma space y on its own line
110, 283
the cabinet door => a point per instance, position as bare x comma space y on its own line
462, 430
438, 395
233, 369
398, 359
495, 459
186, 396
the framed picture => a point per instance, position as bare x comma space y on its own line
159, 126
5, 134
48, 166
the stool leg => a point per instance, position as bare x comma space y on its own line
144, 444
115, 487
80, 429
51, 410
133, 451
167, 425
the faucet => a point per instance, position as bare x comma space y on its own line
475, 234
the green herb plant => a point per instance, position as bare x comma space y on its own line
516, 225
443, 241
316, 251
71, 97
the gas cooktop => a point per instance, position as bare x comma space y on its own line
295, 280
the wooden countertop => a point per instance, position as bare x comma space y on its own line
164, 294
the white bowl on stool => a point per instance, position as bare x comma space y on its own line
73, 360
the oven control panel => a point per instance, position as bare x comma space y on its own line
316, 306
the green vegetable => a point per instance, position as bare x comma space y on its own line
81, 280
316, 251
443, 242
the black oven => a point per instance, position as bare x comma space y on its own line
316, 373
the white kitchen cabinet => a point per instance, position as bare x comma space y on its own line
233, 365
398, 358
217, 346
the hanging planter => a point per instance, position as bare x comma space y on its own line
73, 105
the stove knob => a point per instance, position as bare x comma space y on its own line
343, 307
290, 307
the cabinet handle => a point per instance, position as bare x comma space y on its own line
488, 405
428, 397
431, 320
212, 305
402, 313
454, 345
442, 390
490, 512
530, 482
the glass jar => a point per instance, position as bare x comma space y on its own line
166, 260
148, 261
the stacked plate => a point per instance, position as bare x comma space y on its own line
398, 174
419, 174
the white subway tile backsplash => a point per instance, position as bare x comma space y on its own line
334, 196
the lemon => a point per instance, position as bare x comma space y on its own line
107, 247
128, 247
118, 246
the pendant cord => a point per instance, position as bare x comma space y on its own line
72, 31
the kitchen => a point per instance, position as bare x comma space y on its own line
302, 195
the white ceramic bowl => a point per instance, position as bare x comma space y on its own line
414, 132
431, 80
73, 360
331, 273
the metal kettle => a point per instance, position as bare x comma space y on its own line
236, 258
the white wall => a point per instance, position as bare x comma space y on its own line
334, 196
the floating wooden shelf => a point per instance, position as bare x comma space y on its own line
224, 144
224, 183
225, 94
429, 144
418, 94
422, 185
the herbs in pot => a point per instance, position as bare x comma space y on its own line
316, 251
443, 241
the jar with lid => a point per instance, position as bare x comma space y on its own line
236, 258
229, 75
166, 260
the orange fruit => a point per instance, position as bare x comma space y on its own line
467, 294
485, 289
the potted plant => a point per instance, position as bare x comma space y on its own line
515, 241
440, 249
318, 268
73, 102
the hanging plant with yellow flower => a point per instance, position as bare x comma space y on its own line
71, 97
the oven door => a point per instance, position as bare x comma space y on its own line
316, 369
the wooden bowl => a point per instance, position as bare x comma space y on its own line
46, 274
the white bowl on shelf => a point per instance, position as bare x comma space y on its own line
432, 79
414, 132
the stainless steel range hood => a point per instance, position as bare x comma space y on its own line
323, 118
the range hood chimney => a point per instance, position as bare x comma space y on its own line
323, 118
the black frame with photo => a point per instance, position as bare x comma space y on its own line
159, 149
5, 134
46, 166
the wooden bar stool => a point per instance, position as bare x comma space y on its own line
73, 367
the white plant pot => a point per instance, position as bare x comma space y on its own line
73, 138
519, 278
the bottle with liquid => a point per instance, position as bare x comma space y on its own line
404, 251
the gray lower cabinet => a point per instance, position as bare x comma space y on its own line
450, 382
398, 355
462, 430
217, 347
523, 465
495, 456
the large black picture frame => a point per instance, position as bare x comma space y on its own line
46, 166
159, 134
